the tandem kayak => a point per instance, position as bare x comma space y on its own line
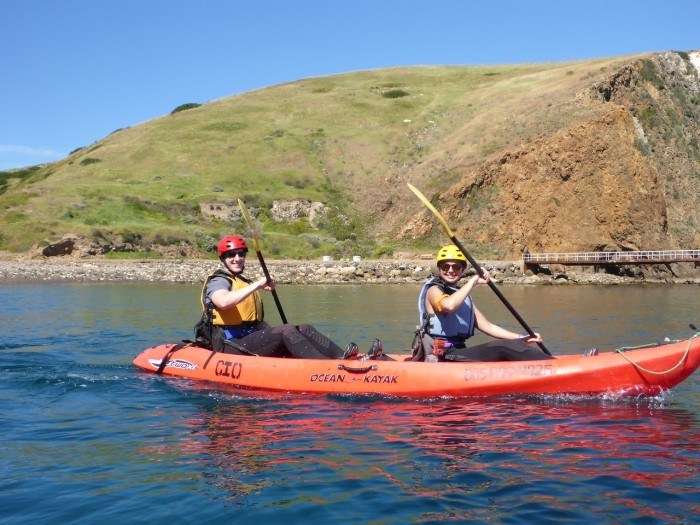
642, 371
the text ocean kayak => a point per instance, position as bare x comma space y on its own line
642, 371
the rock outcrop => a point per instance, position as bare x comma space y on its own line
294, 209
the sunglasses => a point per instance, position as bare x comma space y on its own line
232, 253
446, 267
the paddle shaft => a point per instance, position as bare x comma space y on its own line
273, 291
480, 271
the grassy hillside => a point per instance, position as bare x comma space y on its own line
350, 141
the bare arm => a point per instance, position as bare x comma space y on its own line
225, 299
436, 301
498, 332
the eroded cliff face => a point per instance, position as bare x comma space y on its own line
663, 96
628, 178
585, 188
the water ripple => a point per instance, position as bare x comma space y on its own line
87, 438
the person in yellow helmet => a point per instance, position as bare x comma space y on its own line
448, 317
233, 316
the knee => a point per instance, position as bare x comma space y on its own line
289, 334
305, 329
284, 329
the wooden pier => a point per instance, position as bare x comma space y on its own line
615, 258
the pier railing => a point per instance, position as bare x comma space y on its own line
593, 258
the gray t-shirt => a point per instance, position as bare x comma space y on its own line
218, 282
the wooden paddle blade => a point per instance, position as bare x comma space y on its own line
427, 203
249, 221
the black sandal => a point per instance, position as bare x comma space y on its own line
350, 351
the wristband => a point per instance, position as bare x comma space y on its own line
437, 306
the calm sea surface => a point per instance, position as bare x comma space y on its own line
87, 438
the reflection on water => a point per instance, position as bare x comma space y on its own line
442, 449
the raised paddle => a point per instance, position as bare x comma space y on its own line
249, 222
479, 269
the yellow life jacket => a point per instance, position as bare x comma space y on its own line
248, 311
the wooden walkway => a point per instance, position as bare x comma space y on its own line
595, 258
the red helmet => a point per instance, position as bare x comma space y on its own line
231, 242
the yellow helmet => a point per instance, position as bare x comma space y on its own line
451, 253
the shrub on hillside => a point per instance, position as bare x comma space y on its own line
21, 174
183, 107
225, 126
132, 237
168, 240
278, 133
299, 182
395, 93
206, 242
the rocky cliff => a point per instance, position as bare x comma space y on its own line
624, 175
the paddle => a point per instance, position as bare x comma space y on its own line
249, 222
479, 269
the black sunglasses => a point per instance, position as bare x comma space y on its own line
232, 253
451, 266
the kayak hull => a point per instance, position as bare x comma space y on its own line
637, 372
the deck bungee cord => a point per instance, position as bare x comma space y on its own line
680, 363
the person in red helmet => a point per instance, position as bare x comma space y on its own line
232, 319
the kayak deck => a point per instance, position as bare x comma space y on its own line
642, 371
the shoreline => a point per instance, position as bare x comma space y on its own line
193, 271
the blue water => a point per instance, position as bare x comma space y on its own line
86, 438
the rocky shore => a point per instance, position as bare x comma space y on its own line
57, 269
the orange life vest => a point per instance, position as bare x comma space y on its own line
249, 310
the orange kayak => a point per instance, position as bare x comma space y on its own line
642, 371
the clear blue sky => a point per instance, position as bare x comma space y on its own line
73, 71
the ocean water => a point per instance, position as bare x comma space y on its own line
87, 438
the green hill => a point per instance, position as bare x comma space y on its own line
349, 141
